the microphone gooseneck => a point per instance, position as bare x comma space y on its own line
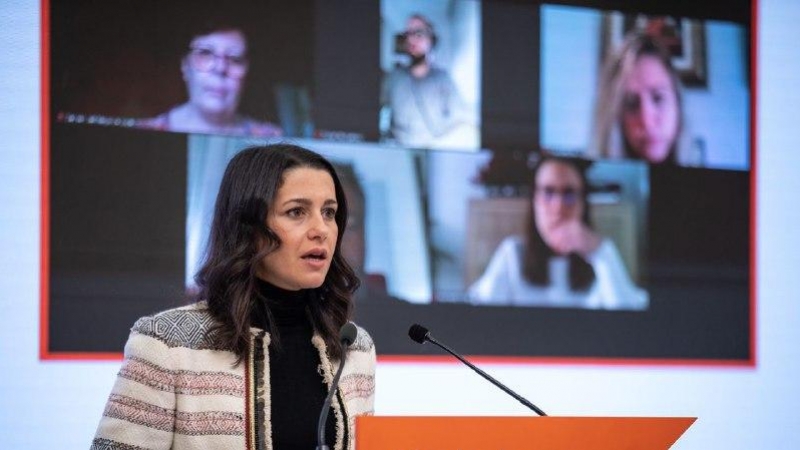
347, 335
420, 334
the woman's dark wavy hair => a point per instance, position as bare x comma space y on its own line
240, 239
537, 254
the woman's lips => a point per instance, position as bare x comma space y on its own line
216, 91
317, 258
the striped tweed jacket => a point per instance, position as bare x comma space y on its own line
178, 388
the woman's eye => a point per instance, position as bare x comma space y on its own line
658, 97
295, 212
630, 103
329, 213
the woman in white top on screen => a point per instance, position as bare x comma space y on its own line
214, 69
562, 262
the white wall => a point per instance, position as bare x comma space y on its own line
47, 405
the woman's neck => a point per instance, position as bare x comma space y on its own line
190, 118
285, 306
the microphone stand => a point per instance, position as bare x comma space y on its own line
480, 372
323, 416
347, 335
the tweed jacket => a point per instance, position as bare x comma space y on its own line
179, 389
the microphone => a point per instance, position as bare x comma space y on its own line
347, 335
420, 334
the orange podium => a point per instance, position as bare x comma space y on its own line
516, 433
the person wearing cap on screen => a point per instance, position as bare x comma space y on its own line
420, 102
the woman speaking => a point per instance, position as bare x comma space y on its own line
249, 363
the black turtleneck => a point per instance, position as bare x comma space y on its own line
297, 390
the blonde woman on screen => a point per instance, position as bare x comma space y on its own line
639, 110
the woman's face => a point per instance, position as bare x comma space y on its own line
650, 111
557, 198
303, 216
214, 72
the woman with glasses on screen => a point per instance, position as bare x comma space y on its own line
639, 111
214, 69
249, 363
562, 261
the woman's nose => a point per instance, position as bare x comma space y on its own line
319, 228
221, 64
648, 114
559, 204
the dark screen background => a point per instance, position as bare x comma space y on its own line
118, 196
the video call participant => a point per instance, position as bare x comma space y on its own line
251, 359
354, 243
639, 111
214, 69
562, 261
420, 99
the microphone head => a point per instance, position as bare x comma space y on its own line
348, 333
418, 333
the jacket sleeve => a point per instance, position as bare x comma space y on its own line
140, 412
